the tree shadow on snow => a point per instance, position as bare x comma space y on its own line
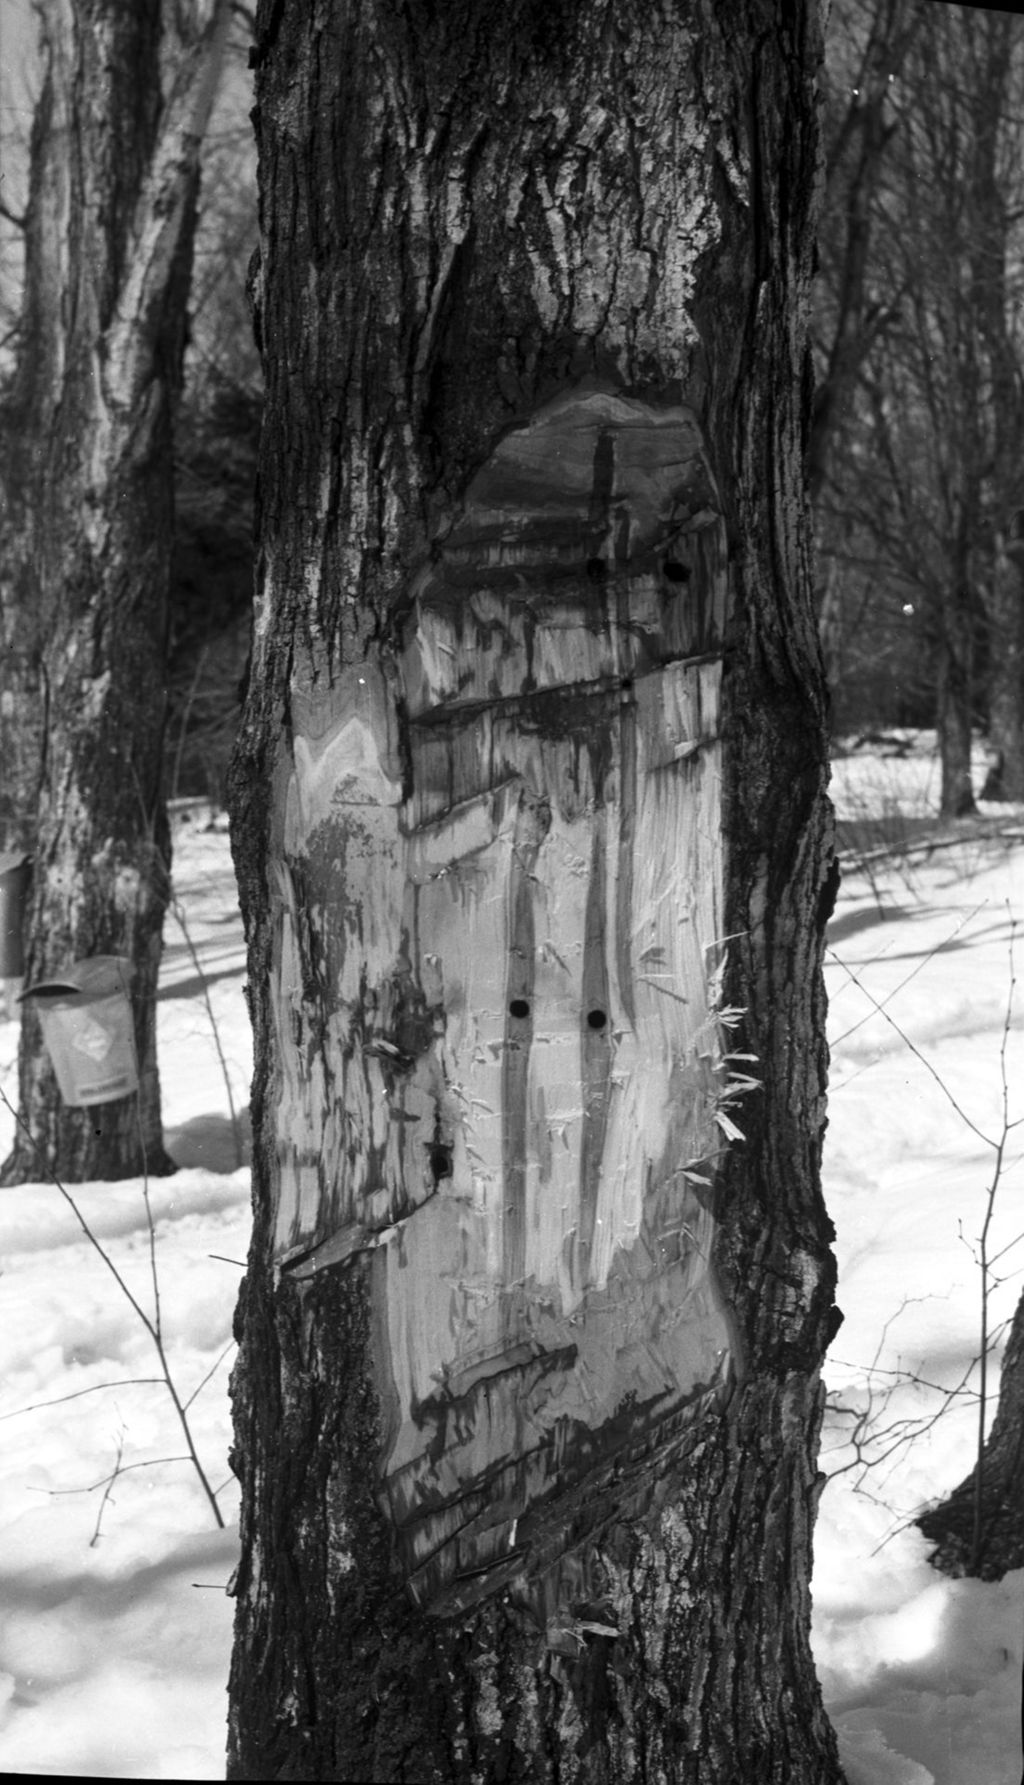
209, 1142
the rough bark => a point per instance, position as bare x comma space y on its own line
530, 830
88, 481
979, 1529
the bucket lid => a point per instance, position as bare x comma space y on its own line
11, 859
97, 977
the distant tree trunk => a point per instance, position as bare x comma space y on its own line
1005, 780
534, 855
955, 694
994, 41
918, 329
979, 1529
849, 314
88, 484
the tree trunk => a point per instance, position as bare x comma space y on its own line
1005, 779
979, 1529
954, 701
855, 166
88, 481
534, 855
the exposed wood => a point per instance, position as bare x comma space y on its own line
517, 1087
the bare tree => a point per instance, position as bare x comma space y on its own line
86, 473
216, 435
925, 475
534, 855
868, 45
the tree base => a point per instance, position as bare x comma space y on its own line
80, 1147
950, 1527
1002, 783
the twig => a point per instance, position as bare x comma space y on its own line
860, 859
179, 917
984, 1266
94, 1539
186, 715
58, 1400
915, 1050
902, 1432
150, 1226
56, 1493
837, 1040
211, 1372
151, 1326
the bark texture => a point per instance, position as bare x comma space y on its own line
87, 481
530, 829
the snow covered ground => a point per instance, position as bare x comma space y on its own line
114, 1625
921, 1674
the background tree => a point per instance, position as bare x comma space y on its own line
216, 433
86, 475
864, 633
868, 43
533, 851
916, 509
979, 1528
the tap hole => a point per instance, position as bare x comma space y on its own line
440, 1158
675, 572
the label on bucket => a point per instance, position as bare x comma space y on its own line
92, 1040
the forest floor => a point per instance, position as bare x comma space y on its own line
115, 1628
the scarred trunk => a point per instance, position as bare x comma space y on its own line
88, 479
533, 851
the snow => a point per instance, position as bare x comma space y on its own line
115, 1628
921, 1674
114, 1649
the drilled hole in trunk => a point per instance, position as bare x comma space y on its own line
440, 1158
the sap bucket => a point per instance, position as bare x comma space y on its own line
88, 1030
15, 879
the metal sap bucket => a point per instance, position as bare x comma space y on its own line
15, 879
88, 1030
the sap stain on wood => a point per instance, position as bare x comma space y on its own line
505, 1040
